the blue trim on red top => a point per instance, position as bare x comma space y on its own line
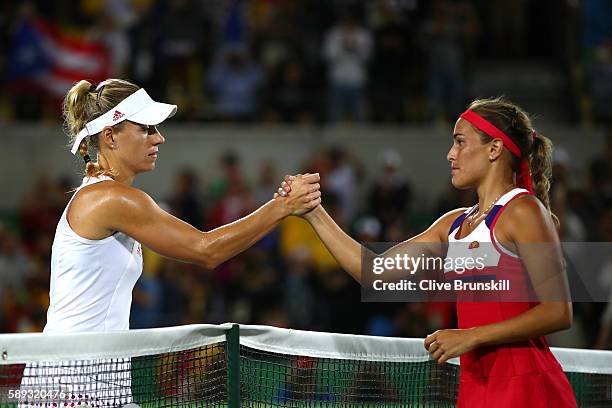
491, 215
457, 223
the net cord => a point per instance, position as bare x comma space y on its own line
41, 347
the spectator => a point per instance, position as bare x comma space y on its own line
40, 209
300, 299
289, 96
266, 184
233, 195
185, 203
572, 229
183, 43
147, 294
144, 36
114, 36
367, 229
15, 266
235, 81
392, 64
390, 196
231, 166
262, 193
508, 28
347, 49
342, 180
447, 32
591, 204
597, 56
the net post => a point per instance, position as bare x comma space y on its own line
233, 366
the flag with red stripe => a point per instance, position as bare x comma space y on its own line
45, 57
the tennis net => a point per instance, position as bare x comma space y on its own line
247, 366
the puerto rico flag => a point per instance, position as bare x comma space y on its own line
43, 57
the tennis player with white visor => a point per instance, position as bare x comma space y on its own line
96, 255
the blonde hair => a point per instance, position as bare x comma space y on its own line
516, 124
85, 102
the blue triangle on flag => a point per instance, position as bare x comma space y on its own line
27, 55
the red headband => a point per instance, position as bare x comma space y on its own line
523, 178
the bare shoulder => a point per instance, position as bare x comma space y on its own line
97, 209
525, 219
109, 195
526, 208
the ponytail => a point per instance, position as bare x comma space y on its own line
540, 164
92, 169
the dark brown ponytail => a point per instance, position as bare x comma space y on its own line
540, 163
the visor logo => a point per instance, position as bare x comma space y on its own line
118, 115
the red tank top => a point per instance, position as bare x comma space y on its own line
520, 374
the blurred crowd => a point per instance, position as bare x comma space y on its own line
313, 61
289, 279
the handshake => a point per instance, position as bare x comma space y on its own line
300, 193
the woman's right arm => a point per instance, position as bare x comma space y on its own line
347, 251
343, 248
133, 212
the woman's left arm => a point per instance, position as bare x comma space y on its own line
537, 243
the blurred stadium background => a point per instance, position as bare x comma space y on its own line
365, 93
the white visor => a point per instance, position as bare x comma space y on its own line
138, 108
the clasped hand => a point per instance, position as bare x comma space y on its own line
305, 192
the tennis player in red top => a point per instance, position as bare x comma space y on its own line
505, 360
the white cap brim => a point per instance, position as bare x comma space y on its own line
138, 107
153, 114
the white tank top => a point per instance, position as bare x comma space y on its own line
91, 280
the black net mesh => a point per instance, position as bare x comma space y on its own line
277, 380
592, 390
196, 378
